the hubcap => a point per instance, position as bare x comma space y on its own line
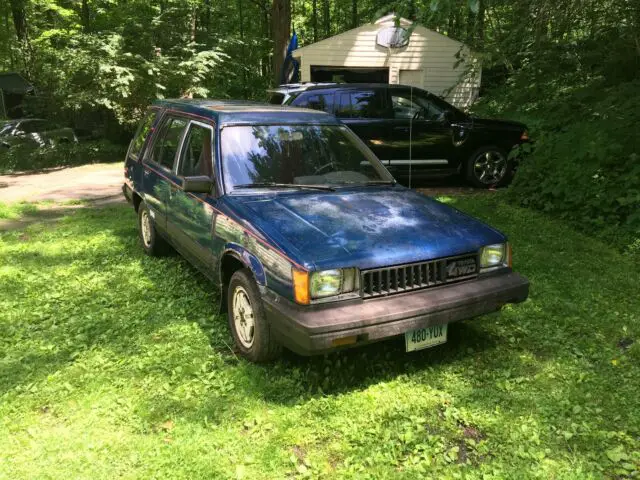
243, 319
490, 167
145, 226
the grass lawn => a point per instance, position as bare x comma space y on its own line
113, 364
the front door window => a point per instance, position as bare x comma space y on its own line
197, 154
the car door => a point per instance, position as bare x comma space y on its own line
422, 134
191, 215
158, 174
364, 110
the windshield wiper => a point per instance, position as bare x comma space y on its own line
371, 182
381, 182
284, 185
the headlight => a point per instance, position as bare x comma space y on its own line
332, 282
493, 256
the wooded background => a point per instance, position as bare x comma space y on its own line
569, 68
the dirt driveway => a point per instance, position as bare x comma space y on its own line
99, 182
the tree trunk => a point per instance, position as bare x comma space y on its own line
326, 18
280, 33
480, 25
19, 14
354, 13
266, 35
86, 16
7, 26
244, 69
194, 24
206, 22
314, 21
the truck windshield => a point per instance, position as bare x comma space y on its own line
272, 156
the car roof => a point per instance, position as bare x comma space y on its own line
243, 112
20, 120
299, 87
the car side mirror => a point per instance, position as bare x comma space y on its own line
197, 184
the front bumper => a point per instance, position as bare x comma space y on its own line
309, 330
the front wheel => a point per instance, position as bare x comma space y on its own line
488, 167
247, 321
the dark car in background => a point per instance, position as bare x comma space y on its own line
313, 244
34, 132
414, 133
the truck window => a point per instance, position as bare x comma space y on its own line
360, 104
315, 101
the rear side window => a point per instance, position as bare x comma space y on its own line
316, 101
166, 146
141, 135
197, 154
360, 104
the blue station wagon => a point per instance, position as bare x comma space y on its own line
313, 243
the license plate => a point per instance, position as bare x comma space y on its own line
425, 337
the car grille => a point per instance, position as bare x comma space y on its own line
379, 282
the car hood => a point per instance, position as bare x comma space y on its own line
498, 124
366, 228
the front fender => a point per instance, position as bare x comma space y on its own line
248, 259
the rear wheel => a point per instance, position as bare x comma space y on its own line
152, 243
489, 167
247, 321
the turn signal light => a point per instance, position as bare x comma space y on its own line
301, 286
524, 136
339, 342
509, 255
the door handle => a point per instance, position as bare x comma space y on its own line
401, 129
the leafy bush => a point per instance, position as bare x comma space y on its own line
585, 166
25, 157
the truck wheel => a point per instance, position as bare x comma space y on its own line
489, 167
247, 321
152, 243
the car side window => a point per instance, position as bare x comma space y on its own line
360, 104
196, 157
316, 101
166, 146
406, 105
142, 134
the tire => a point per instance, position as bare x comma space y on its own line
152, 243
489, 167
255, 343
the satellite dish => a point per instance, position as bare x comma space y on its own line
393, 37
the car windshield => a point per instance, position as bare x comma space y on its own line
280, 156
